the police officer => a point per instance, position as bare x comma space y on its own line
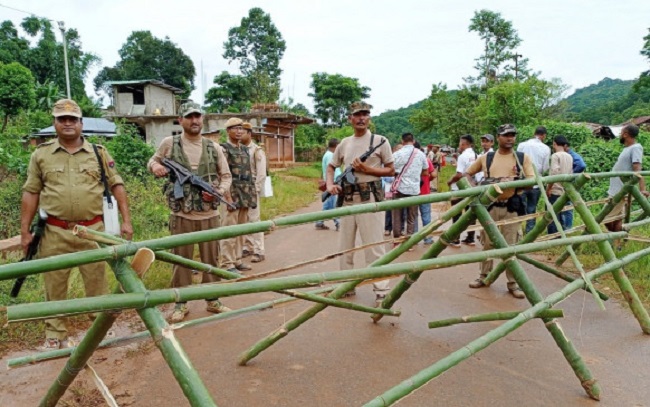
196, 210
367, 189
254, 243
64, 179
242, 194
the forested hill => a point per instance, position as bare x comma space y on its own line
394, 123
598, 103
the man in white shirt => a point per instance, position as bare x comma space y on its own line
465, 159
540, 153
410, 166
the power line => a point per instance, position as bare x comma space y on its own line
25, 12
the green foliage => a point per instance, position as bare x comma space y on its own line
130, 152
394, 123
10, 196
333, 94
232, 93
600, 156
257, 46
602, 102
144, 56
644, 79
310, 135
16, 90
577, 134
47, 94
501, 40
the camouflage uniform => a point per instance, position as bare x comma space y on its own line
254, 243
242, 192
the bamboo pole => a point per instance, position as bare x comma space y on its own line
604, 212
306, 315
128, 339
193, 264
569, 351
436, 248
493, 316
33, 311
545, 267
605, 248
537, 230
629, 226
179, 363
418, 380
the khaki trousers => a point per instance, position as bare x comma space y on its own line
371, 230
57, 241
231, 249
254, 242
209, 251
510, 232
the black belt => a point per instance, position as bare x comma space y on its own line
500, 204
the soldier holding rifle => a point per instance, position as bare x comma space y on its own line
197, 209
367, 188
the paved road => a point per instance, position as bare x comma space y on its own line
340, 358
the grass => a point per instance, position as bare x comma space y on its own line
294, 188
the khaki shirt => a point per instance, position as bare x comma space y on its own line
353, 147
192, 147
258, 165
70, 185
561, 163
503, 166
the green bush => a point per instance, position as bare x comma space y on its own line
600, 156
130, 152
10, 197
576, 134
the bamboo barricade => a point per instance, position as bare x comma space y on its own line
136, 296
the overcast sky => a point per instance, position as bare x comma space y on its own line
397, 48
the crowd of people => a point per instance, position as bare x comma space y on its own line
69, 178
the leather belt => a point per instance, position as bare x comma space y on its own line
64, 224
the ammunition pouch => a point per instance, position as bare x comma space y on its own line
364, 189
516, 204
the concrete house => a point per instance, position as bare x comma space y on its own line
149, 104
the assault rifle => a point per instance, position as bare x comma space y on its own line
347, 176
181, 175
37, 228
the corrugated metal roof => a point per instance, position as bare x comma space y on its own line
145, 82
91, 125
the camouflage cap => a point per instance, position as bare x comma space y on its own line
190, 107
357, 107
488, 137
247, 126
506, 129
234, 121
66, 107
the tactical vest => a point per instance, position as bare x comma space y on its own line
242, 189
192, 197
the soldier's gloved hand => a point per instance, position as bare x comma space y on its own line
207, 197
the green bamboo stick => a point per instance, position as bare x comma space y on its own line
569, 351
306, 315
632, 225
179, 363
609, 206
31, 311
538, 229
425, 376
493, 316
195, 265
124, 340
436, 248
79, 358
605, 248
545, 267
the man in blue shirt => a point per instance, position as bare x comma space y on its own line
330, 203
578, 167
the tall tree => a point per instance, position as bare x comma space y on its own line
16, 90
13, 47
333, 94
257, 46
232, 93
644, 79
144, 56
499, 59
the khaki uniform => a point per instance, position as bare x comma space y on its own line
70, 189
503, 166
244, 197
369, 225
254, 243
185, 222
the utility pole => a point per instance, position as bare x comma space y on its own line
65, 59
517, 56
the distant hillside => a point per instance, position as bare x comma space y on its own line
394, 123
600, 102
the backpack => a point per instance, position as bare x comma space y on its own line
519, 155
